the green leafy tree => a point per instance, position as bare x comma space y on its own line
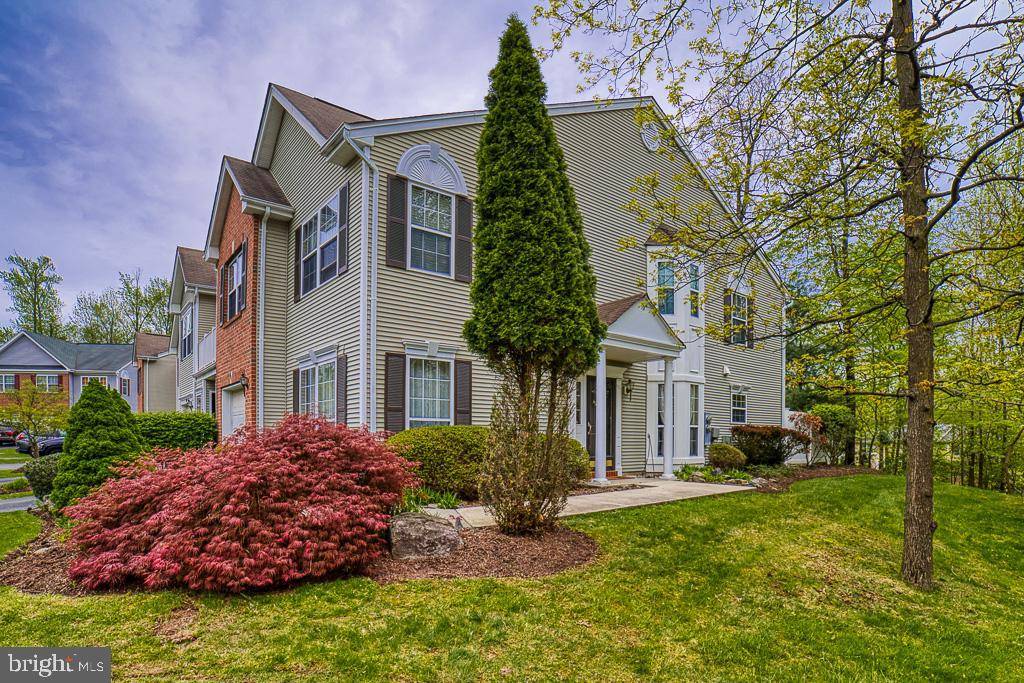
101, 435
31, 285
98, 318
37, 413
534, 317
144, 304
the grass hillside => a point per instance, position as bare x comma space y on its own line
799, 585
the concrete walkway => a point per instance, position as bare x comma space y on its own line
654, 491
11, 465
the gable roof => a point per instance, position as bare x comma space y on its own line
80, 356
195, 270
611, 311
255, 182
148, 345
258, 191
325, 116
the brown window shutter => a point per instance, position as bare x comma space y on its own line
394, 392
60, 382
343, 212
223, 294
463, 240
243, 258
295, 390
398, 223
17, 381
297, 269
341, 390
750, 321
727, 313
463, 392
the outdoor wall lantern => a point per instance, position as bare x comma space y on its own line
244, 382
627, 388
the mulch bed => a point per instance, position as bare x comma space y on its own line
584, 490
489, 553
41, 565
780, 484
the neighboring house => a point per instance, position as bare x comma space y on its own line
192, 306
156, 367
63, 367
343, 252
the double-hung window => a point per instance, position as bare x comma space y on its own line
432, 225
125, 386
318, 390
319, 245
666, 289
430, 392
694, 290
50, 383
661, 420
738, 317
235, 273
88, 379
739, 406
187, 338
6, 382
694, 420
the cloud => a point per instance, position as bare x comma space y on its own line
114, 117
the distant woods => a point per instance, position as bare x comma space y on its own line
111, 316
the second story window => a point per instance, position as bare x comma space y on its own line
738, 317
50, 383
694, 290
666, 289
319, 246
187, 336
234, 284
431, 226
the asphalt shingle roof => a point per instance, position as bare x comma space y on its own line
324, 116
611, 311
80, 356
257, 182
196, 270
148, 345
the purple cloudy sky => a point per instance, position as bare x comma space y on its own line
114, 116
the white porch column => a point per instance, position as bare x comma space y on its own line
670, 418
601, 419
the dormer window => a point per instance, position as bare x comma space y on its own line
432, 223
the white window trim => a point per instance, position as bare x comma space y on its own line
48, 376
235, 259
85, 379
122, 383
739, 391
410, 227
658, 287
429, 351
314, 361
4, 382
698, 292
181, 331
318, 249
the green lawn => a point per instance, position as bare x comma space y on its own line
11, 454
795, 586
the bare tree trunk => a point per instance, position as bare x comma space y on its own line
918, 524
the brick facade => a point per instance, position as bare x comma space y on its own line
236, 338
24, 378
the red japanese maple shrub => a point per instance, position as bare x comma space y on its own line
304, 499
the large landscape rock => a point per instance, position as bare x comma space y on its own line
415, 535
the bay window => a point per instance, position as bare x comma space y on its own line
432, 221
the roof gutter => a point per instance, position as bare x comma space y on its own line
367, 286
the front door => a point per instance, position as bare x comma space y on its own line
611, 411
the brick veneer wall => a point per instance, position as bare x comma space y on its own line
23, 378
236, 338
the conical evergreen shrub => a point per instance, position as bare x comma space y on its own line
101, 435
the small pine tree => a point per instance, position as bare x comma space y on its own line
534, 315
101, 435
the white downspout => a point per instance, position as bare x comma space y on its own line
782, 342
364, 250
261, 316
370, 377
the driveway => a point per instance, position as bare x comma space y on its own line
14, 504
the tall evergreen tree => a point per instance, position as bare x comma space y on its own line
534, 316
102, 434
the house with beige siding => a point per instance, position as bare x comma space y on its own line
343, 253
192, 306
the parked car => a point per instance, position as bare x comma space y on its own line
7, 436
50, 443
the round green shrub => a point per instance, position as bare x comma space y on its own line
15, 485
40, 473
183, 430
726, 456
102, 435
582, 467
449, 456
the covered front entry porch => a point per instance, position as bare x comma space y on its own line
636, 334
